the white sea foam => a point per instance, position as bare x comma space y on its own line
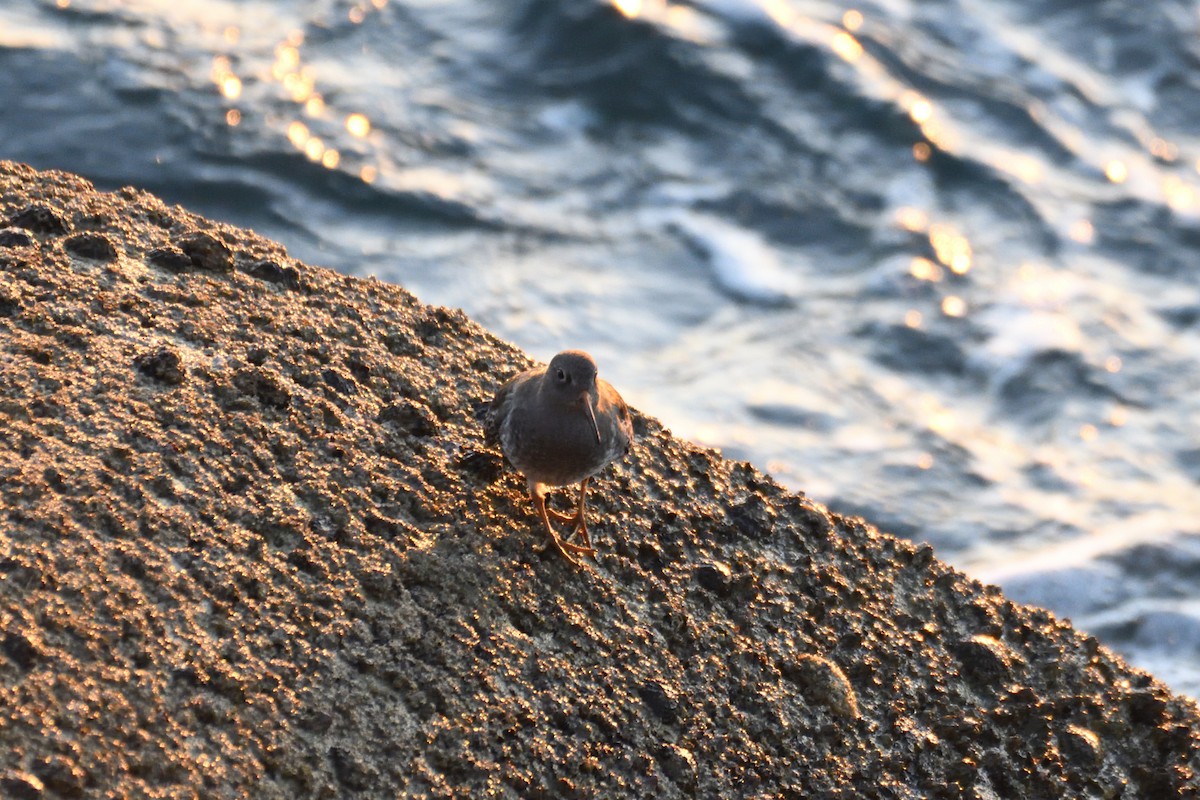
743, 263
1019, 334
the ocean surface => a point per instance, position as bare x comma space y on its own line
933, 262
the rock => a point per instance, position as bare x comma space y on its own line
264, 385
15, 237
679, 764
484, 466
40, 218
290, 570
273, 272
823, 683
21, 785
410, 417
170, 257
162, 365
661, 701
352, 771
19, 650
339, 381
206, 251
61, 776
715, 577
1082, 745
95, 246
986, 660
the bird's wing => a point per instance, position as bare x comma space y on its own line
496, 412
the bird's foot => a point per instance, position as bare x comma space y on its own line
578, 527
572, 519
581, 531
567, 549
564, 545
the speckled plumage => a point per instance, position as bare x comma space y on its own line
557, 427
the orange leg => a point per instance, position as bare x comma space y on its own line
565, 519
565, 548
579, 520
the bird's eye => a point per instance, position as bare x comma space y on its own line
560, 375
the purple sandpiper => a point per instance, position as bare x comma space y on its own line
560, 426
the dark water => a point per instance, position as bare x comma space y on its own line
931, 262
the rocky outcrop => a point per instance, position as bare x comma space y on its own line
251, 545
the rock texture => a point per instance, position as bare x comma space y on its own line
251, 546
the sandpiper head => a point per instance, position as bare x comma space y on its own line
572, 376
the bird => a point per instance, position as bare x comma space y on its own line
559, 426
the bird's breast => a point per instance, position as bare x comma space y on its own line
558, 449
